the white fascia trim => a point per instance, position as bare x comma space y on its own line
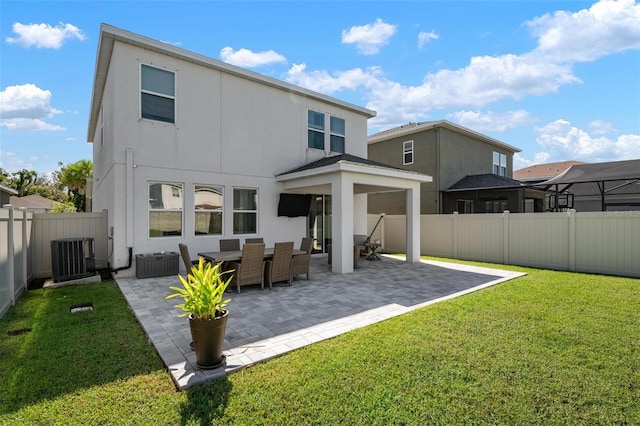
344, 166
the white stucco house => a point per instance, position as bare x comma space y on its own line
188, 149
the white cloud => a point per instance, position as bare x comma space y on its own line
564, 39
25, 107
600, 127
562, 141
369, 38
491, 121
44, 35
589, 34
29, 124
324, 82
249, 59
520, 162
425, 38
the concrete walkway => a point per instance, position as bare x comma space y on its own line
266, 323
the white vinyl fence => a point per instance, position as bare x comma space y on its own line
15, 234
595, 242
25, 245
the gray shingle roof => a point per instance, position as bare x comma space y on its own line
327, 161
486, 181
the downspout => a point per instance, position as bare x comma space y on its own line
438, 182
128, 184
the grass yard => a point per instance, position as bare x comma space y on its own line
547, 348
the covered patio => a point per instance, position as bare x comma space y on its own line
267, 323
348, 179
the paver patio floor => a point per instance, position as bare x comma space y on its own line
266, 323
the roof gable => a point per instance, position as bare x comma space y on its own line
413, 128
109, 35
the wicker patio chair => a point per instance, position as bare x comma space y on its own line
186, 259
253, 240
250, 269
300, 263
279, 268
230, 244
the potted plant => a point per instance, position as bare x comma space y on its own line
203, 294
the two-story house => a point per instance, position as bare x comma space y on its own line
472, 173
188, 149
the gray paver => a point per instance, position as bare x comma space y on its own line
267, 323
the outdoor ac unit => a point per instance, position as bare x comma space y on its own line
72, 258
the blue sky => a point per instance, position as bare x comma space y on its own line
558, 79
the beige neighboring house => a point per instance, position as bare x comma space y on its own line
5, 194
541, 172
34, 203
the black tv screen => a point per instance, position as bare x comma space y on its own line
294, 205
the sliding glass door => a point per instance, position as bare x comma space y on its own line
319, 223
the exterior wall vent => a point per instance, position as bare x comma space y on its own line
72, 258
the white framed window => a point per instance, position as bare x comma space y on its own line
208, 209
245, 210
165, 209
407, 152
315, 132
157, 94
337, 128
499, 164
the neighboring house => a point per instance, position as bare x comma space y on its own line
188, 149
590, 187
34, 203
471, 172
5, 194
541, 172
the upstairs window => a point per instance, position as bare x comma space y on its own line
499, 164
157, 101
407, 152
315, 130
337, 134
208, 209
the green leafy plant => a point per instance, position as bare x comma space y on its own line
203, 291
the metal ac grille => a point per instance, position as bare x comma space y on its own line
69, 258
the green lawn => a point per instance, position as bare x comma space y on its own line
547, 348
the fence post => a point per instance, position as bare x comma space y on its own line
455, 235
25, 249
572, 240
505, 237
10, 256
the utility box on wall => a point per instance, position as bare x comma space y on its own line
156, 264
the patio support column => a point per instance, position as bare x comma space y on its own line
342, 223
413, 224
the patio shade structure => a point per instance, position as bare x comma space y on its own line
347, 176
609, 178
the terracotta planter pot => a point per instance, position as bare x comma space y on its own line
208, 339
